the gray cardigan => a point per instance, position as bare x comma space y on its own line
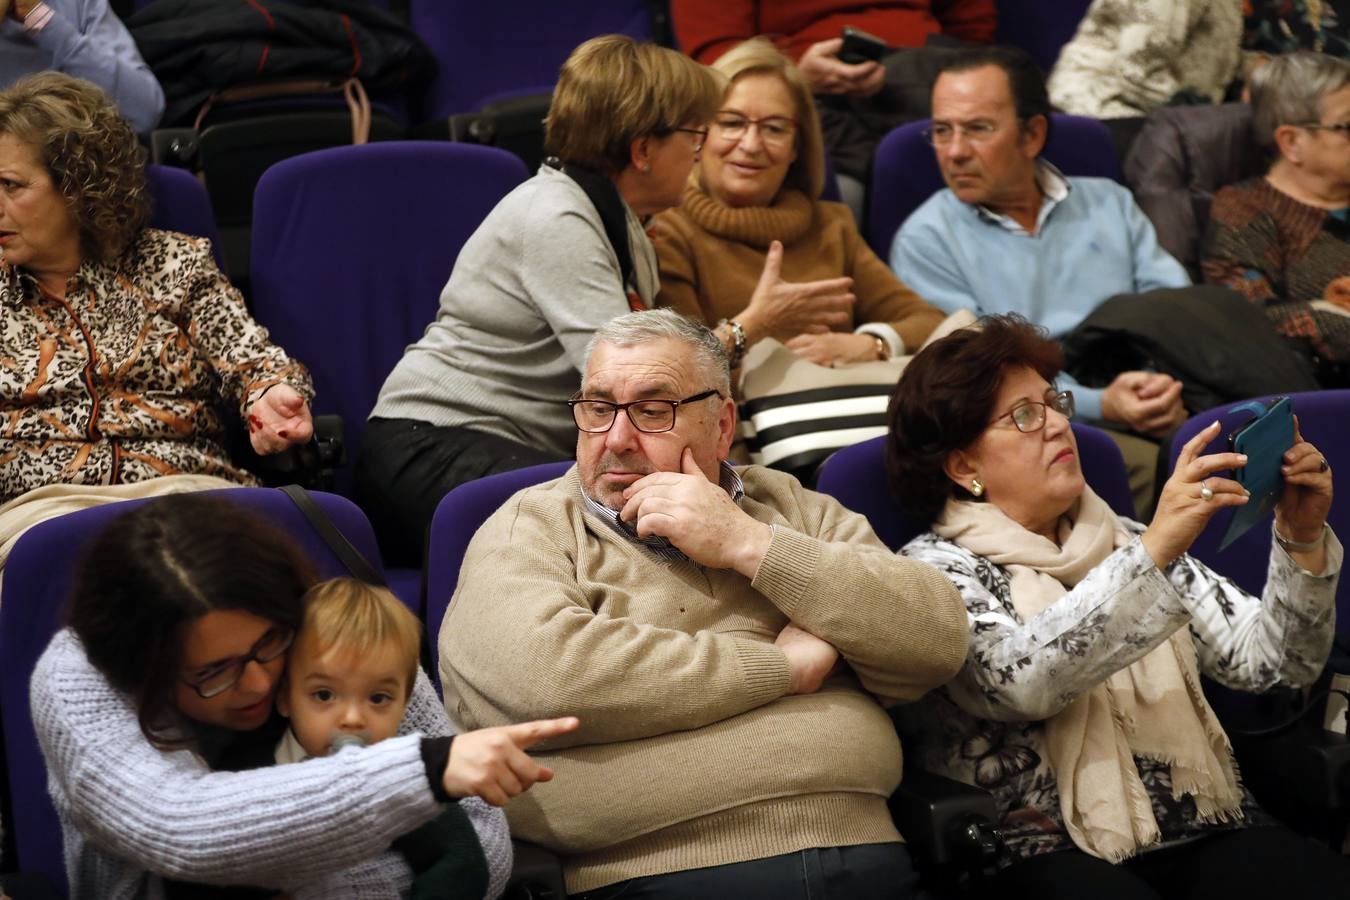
131, 813
529, 288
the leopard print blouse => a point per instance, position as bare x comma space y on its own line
127, 377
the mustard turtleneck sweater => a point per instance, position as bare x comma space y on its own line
711, 257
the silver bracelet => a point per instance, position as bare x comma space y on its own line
737, 340
1302, 546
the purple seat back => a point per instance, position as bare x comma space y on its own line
1324, 420
856, 477
181, 204
351, 248
456, 520
1040, 27
905, 171
38, 579
483, 49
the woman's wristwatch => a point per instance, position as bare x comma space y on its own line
1302, 546
737, 334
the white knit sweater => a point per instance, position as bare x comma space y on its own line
132, 814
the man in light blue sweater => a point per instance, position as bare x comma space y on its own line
1013, 234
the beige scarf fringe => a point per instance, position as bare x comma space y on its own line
1153, 709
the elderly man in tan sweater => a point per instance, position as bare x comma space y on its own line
728, 638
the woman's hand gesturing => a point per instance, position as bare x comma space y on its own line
492, 763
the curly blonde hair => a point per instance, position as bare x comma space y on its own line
89, 151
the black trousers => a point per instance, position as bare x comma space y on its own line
1267, 862
405, 467
864, 872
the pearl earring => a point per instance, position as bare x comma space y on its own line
976, 487
645, 167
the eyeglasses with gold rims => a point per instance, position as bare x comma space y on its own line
648, 416
777, 131
220, 677
1030, 416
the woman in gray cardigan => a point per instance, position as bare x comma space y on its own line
483, 391
160, 692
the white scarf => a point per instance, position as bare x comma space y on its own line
1154, 708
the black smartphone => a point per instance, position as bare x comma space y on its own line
861, 47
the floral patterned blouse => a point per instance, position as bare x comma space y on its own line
125, 379
985, 726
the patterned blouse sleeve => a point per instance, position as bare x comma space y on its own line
1028, 671
219, 326
1253, 644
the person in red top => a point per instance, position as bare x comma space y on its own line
855, 110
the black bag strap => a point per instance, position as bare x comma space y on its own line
342, 548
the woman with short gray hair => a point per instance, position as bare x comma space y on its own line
1283, 239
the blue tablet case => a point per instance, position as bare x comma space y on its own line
1264, 440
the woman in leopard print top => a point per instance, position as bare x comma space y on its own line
120, 344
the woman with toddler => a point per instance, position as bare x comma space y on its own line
754, 252
161, 691
1079, 706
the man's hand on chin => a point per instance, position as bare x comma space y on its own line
696, 516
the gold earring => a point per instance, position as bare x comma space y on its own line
976, 487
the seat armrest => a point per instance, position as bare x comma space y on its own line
945, 822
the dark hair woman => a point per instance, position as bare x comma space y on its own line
165, 677
1079, 705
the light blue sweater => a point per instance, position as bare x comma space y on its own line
84, 38
1094, 244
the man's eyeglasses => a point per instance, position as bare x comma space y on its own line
700, 133
1342, 127
777, 131
1030, 416
940, 134
650, 416
223, 676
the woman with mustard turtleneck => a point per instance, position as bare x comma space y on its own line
754, 253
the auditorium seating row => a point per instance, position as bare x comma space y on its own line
40, 572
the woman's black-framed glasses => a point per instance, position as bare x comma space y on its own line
649, 416
223, 676
1030, 416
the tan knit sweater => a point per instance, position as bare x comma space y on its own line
691, 753
711, 257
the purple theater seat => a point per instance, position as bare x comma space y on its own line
351, 248
483, 49
856, 477
905, 172
38, 578
452, 527
180, 203
1040, 27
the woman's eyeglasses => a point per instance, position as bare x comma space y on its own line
220, 677
700, 135
1342, 127
777, 131
1030, 416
